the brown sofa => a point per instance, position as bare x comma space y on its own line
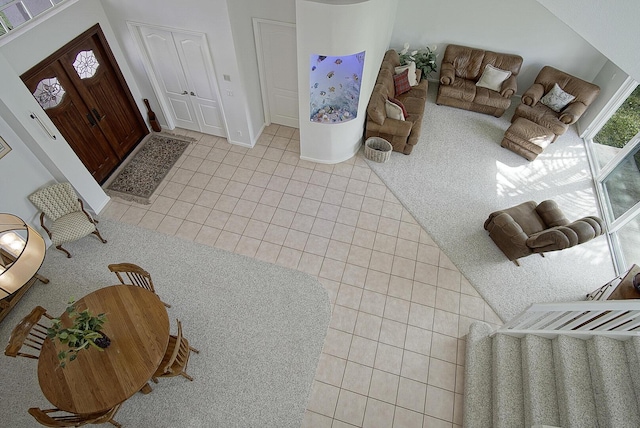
402, 134
462, 68
530, 228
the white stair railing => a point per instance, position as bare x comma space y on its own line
614, 318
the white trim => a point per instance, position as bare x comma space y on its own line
33, 22
609, 109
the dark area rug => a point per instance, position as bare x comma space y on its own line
143, 173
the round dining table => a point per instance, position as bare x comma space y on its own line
138, 326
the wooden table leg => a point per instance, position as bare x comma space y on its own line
41, 278
146, 389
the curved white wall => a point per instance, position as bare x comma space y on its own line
332, 29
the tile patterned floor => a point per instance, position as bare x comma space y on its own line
394, 352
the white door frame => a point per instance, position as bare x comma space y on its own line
134, 29
257, 35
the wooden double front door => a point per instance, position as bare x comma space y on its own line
82, 90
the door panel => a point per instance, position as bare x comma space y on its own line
97, 116
204, 95
280, 71
117, 116
165, 61
75, 122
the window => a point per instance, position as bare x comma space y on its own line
14, 13
615, 155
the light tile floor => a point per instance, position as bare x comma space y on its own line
394, 352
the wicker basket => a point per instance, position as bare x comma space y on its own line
377, 149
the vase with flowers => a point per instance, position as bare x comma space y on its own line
84, 332
425, 58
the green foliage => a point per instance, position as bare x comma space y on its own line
424, 58
81, 335
623, 125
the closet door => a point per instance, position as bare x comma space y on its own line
63, 104
183, 69
170, 76
89, 67
196, 63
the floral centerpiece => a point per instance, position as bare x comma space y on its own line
425, 58
84, 333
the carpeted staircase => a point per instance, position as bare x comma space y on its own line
563, 382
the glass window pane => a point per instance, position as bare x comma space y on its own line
86, 64
622, 186
49, 93
15, 15
36, 7
621, 128
629, 239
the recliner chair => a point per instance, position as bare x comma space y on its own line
558, 122
530, 228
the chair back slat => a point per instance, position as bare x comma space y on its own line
62, 419
29, 333
132, 274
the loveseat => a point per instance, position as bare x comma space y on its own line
402, 134
463, 68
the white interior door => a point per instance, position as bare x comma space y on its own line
277, 61
183, 70
196, 62
170, 76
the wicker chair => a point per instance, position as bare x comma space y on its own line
70, 221
29, 333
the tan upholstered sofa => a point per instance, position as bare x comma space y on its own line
462, 67
402, 134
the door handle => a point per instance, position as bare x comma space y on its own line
92, 120
192, 94
97, 115
185, 93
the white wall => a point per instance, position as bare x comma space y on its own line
204, 16
610, 26
609, 79
20, 52
21, 174
336, 142
522, 27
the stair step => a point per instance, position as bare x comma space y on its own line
576, 403
508, 395
611, 381
540, 399
477, 377
632, 346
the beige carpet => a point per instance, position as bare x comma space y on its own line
457, 174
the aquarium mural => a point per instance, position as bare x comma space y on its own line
335, 87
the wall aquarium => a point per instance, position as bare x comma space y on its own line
335, 87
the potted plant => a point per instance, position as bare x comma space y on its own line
82, 334
424, 58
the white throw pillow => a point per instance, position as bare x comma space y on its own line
557, 99
492, 78
394, 111
413, 79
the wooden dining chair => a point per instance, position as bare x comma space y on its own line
64, 419
134, 275
176, 357
28, 335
